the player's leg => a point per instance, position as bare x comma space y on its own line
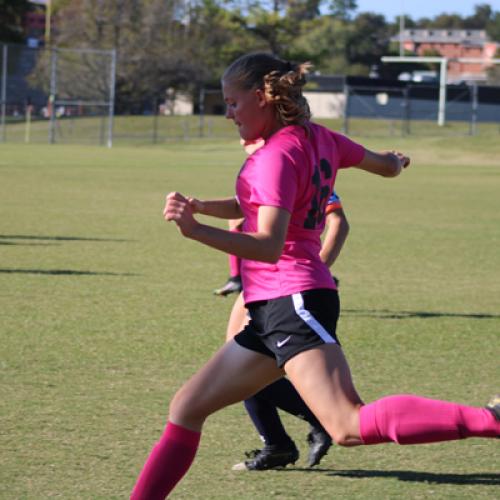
303, 326
494, 406
233, 284
232, 374
328, 390
279, 449
238, 318
322, 377
283, 395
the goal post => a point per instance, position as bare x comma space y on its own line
67, 91
443, 73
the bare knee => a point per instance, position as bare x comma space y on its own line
345, 431
187, 409
342, 438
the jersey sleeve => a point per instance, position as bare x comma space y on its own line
276, 185
333, 203
350, 153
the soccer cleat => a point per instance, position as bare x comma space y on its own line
319, 444
270, 457
494, 406
232, 285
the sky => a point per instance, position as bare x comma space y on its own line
423, 8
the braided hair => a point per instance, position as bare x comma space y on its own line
281, 81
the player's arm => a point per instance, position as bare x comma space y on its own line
235, 224
386, 163
266, 244
335, 236
227, 208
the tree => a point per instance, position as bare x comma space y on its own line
493, 27
343, 9
303, 10
12, 14
216, 37
493, 73
432, 66
447, 21
369, 39
322, 41
478, 21
142, 33
423, 22
160, 44
270, 30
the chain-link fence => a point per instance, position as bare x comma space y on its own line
56, 95
413, 109
61, 95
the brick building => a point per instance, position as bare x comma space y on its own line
452, 43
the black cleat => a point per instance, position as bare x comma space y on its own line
270, 457
319, 444
232, 285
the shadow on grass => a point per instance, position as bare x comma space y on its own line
62, 272
485, 479
5, 242
55, 238
386, 314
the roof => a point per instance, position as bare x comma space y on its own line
463, 37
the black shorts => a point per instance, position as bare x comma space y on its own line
283, 327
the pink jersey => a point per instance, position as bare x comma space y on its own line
295, 172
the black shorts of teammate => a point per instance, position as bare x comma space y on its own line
283, 327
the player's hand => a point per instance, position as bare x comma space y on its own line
178, 209
197, 206
404, 161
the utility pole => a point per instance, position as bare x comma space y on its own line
48, 16
401, 34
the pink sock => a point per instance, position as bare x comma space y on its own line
169, 460
410, 419
234, 266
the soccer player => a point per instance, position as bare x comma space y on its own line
279, 449
233, 283
282, 190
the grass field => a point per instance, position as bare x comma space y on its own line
105, 310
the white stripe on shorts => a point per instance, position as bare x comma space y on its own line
305, 315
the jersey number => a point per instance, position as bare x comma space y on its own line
316, 213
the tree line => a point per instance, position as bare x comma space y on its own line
185, 44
